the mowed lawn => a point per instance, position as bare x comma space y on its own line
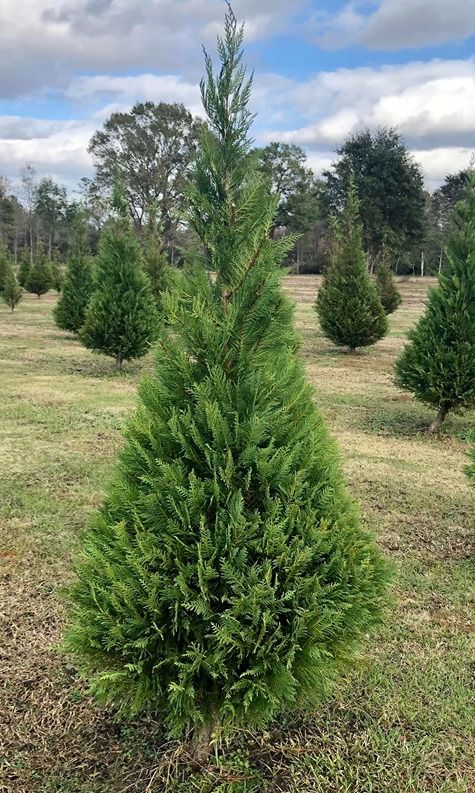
402, 722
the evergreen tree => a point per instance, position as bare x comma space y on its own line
438, 365
121, 317
56, 276
389, 295
12, 292
24, 267
5, 266
155, 259
348, 304
226, 577
40, 276
70, 310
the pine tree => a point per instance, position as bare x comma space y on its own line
40, 277
226, 577
348, 304
70, 310
12, 292
5, 266
438, 365
121, 317
389, 295
24, 267
56, 275
155, 259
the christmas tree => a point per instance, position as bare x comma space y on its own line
12, 291
40, 277
226, 577
5, 266
70, 309
348, 304
24, 266
155, 259
389, 296
121, 317
438, 364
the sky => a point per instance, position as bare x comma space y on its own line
323, 69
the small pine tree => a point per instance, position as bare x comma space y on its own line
24, 267
348, 304
227, 577
155, 260
121, 317
57, 276
40, 277
70, 310
5, 266
12, 292
438, 365
389, 295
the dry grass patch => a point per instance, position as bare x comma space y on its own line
402, 723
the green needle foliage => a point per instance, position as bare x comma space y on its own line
389, 296
348, 304
70, 310
40, 276
24, 267
5, 266
438, 365
155, 260
226, 577
121, 317
12, 292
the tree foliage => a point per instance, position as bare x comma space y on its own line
40, 276
438, 364
24, 266
12, 292
390, 189
70, 310
121, 318
389, 295
226, 576
348, 303
149, 151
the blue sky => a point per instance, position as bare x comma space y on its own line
323, 70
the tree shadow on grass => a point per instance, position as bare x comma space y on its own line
409, 419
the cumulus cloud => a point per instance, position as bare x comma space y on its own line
430, 102
44, 42
396, 24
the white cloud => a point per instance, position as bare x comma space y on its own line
44, 42
398, 24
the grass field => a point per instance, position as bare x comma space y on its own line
402, 723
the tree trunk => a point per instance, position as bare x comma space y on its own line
201, 743
442, 412
50, 244
118, 362
440, 260
422, 264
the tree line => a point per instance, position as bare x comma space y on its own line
151, 152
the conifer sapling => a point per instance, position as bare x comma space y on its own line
155, 260
438, 364
348, 304
121, 317
40, 277
12, 292
24, 267
70, 310
389, 295
226, 577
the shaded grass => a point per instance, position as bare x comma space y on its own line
401, 723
